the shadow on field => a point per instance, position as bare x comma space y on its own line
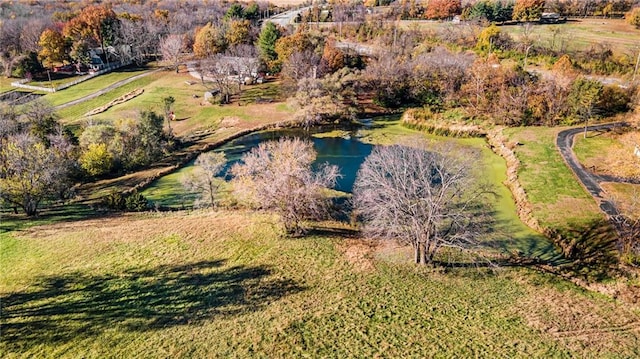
593, 250
53, 214
78, 305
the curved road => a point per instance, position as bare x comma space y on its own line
591, 182
105, 90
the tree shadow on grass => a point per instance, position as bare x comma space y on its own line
587, 252
48, 214
79, 305
593, 250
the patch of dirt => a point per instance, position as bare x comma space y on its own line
229, 122
359, 252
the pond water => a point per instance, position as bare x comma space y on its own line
345, 151
348, 147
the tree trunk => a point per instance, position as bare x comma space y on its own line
423, 255
30, 207
211, 192
416, 251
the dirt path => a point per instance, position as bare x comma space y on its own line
590, 181
105, 90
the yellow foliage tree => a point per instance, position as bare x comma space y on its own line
209, 40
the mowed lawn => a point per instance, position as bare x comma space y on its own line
192, 112
228, 284
556, 195
90, 86
5, 84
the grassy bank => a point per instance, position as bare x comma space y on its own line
226, 284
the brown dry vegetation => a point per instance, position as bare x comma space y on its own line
578, 322
626, 196
610, 154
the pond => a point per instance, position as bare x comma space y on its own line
345, 151
348, 147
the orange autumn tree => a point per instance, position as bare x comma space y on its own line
95, 25
443, 9
528, 10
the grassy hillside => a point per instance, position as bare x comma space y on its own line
227, 284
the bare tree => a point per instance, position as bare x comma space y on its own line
204, 178
422, 196
244, 61
31, 33
141, 36
301, 64
10, 45
171, 48
220, 70
277, 175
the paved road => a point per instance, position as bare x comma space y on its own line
591, 182
286, 18
105, 90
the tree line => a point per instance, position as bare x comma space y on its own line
39, 33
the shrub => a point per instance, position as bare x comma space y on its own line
96, 160
114, 201
134, 202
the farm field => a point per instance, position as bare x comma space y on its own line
576, 34
171, 284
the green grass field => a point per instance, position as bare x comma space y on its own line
74, 113
90, 86
557, 197
228, 284
5, 84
